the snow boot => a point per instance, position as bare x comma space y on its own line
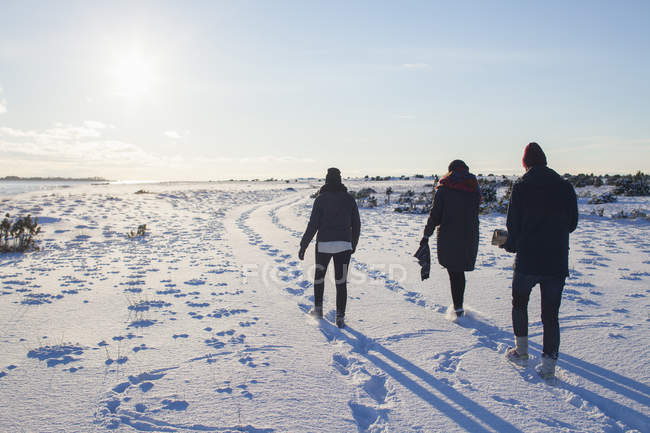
459, 312
546, 369
519, 353
340, 320
317, 311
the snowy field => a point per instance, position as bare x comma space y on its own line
201, 325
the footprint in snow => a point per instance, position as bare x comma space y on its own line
296, 292
366, 416
375, 387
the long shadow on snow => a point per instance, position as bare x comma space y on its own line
606, 378
637, 391
363, 346
490, 336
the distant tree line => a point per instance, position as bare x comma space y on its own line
57, 179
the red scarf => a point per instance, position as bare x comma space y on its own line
461, 180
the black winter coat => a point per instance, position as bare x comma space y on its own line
335, 216
543, 211
456, 214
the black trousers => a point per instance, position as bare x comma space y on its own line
551, 290
457, 280
341, 264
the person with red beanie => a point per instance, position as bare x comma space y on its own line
533, 155
543, 211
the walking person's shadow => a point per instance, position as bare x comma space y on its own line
465, 412
491, 336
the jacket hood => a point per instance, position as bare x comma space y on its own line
333, 187
541, 175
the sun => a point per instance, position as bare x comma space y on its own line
133, 75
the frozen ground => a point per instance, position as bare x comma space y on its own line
201, 325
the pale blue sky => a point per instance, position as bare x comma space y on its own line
210, 90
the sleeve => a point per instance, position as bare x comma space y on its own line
435, 216
573, 209
513, 221
312, 226
356, 225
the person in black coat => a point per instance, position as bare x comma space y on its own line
543, 211
455, 213
335, 217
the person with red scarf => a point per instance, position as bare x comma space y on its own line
455, 213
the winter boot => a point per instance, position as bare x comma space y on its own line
317, 311
459, 312
546, 369
519, 353
340, 320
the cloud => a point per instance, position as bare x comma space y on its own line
60, 132
416, 66
83, 145
270, 159
173, 134
3, 103
86, 150
96, 125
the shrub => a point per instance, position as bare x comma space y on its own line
580, 180
491, 204
633, 186
410, 203
635, 213
18, 235
488, 192
608, 197
389, 191
365, 193
141, 232
505, 181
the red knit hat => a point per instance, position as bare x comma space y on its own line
533, 155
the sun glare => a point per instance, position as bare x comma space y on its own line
133, 76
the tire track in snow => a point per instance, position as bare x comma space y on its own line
370, 407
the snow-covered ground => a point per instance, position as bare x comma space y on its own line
201, 325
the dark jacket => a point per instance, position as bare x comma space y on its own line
543, 211
456, 212
335, 216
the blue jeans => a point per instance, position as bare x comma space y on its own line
551, 290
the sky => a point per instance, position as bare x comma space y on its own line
209, 90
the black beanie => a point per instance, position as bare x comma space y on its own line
333, 176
